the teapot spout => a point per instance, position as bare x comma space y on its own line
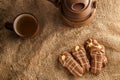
57, 3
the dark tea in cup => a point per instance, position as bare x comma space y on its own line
25, 25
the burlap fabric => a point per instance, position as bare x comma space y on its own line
37, 59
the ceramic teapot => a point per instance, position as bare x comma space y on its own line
76, 12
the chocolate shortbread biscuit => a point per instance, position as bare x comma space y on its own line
71, 64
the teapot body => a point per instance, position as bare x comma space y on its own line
77, 11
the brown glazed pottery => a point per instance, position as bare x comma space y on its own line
77, 12
76, 5
82, 23
25, 25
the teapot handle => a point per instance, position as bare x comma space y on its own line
57, 3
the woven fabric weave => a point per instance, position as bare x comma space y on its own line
37, 59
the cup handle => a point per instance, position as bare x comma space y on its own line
9, 26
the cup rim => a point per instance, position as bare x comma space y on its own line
20, 16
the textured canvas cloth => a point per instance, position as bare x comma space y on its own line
37, 59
